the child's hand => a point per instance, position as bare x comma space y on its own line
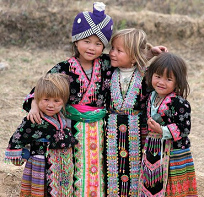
158, 49
154, 126
35, 114
154, 51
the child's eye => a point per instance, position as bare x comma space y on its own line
169, 79
112, 49
98, 44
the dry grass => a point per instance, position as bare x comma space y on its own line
44, 23
188, 7
25, 68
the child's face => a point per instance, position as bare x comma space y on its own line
89, 48
119, 57
50, 106
162, 84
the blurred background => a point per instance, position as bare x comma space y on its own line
44, 23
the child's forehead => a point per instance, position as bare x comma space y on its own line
118, 40
164, 71
50, 96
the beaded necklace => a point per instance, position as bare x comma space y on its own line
125, 78
117, 138
117, 101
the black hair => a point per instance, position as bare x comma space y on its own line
172, 64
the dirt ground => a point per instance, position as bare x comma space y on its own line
24, 64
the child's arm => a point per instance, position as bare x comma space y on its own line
24, 134
181, 119
180, 124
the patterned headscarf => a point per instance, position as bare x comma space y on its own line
96, 23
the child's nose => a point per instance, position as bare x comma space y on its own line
111, 53
92, 46
161, 81
50, 104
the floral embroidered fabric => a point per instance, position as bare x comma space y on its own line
123, 137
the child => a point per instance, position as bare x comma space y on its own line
128, 95
167, 166
89, 72
49, 167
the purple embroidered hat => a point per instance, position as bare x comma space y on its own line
96, 23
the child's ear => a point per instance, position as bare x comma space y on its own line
133, 61
76, 43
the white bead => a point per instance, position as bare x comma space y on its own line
79, 20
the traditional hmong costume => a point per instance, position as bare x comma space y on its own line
88, 92
167, 165
49, 169
124, 131
86, 109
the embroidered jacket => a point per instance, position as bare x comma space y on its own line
54, 133
176, 115
93, 92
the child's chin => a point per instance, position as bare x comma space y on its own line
50, 113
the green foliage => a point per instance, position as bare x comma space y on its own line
122, 24
24, 59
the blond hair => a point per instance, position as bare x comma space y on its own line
135, 45
53, 85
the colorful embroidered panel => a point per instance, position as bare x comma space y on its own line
88, 156
123, 138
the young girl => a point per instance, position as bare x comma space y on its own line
167, 166
49, 167
128, 96
89, 72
